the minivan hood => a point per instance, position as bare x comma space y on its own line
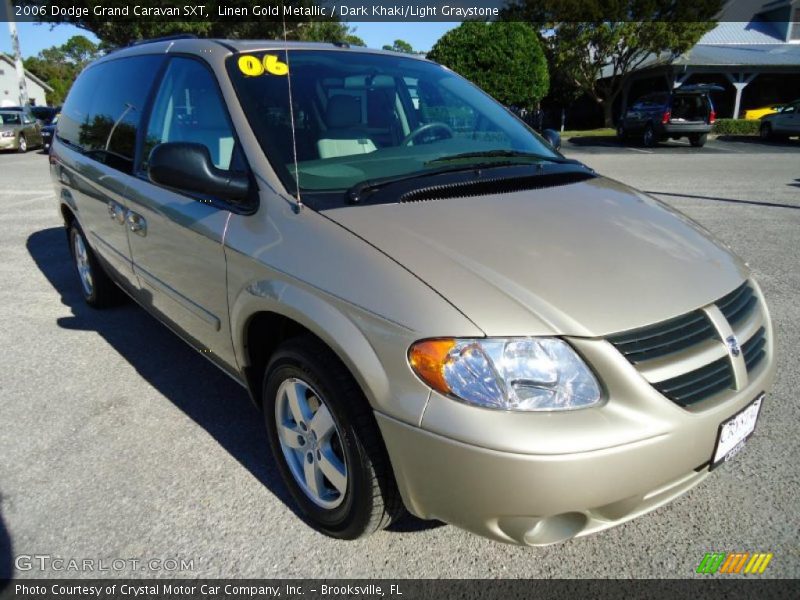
585, 259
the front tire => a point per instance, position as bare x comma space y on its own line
765, 132
326, 442
97, 288
698, 140
22, 145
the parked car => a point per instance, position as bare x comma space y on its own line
754, 114
45, 114
685, 112
27, 110
432, 311
47, 133
782, 124
18, 131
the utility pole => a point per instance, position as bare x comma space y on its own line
12, 28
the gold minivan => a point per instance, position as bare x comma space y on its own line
434, 309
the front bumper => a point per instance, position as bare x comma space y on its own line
541, 478
676, 129
9, 143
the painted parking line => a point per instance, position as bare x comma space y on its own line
638, 150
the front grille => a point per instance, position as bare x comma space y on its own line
754, 349
738, 305
667, 353
664, 338
698, 385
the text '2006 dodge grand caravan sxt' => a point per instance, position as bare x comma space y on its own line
433, 308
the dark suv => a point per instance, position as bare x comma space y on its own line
686, 112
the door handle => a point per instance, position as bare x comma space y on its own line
116, 212
137, 223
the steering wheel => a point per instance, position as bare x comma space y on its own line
427, 127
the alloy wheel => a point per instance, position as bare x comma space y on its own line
82, 263
311, 443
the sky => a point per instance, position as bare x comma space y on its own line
34, 37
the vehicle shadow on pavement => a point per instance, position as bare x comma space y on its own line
595, 140
189, 381
754, 139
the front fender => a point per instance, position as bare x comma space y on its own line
359, 338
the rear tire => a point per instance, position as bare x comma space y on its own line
360, 496
96, 286
698, 140
22, 145
649, 136
765, 131
621, 135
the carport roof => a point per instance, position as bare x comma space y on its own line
762, 55
742, 56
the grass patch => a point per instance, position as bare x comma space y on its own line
602, 132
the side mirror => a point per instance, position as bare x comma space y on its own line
188, 167
553, 138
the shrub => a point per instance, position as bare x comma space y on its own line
736, 127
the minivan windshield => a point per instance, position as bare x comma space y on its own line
363, 116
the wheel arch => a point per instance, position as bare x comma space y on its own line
260, 324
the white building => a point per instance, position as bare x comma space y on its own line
9, 87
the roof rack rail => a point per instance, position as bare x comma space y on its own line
166, 38
341, 44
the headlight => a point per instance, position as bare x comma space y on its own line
7, 134
524, 374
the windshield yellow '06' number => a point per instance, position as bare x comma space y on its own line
253, 67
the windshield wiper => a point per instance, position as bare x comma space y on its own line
356, 193
501, 154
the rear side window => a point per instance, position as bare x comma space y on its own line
102, 114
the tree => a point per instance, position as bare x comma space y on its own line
121, 31
327, 31
598, 45
58, 66
400, 46
503, 58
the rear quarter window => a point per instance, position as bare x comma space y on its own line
103, 112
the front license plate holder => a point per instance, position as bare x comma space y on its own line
733, 432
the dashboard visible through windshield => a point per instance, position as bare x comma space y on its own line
362, 116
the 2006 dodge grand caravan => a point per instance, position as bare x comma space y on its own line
433, 308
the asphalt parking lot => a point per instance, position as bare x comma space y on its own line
119, 441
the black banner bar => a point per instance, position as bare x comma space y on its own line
74, 11
705, 587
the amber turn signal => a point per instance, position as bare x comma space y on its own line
428, 358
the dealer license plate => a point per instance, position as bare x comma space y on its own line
734, 432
